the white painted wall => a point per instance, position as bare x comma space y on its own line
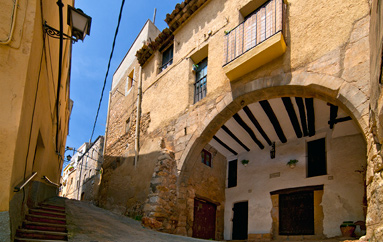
148, 32
342, 198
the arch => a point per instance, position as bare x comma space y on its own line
304, 84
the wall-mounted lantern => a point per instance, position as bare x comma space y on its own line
78, 21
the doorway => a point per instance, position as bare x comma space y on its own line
296, 213
240, 220
204, 219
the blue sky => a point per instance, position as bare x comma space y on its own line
90, 58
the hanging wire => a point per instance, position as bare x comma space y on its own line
107, 71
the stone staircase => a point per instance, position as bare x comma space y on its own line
46, 223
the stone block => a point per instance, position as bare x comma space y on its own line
181, 231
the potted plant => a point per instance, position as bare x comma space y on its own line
195, 67
245, 162
347, 228
292, 163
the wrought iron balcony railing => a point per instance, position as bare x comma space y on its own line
262, 24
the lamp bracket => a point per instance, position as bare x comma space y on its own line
54, 33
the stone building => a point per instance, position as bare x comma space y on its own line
81, 177
35, 107
204, 122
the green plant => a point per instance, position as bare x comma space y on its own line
195, 67
245, 162
292, 162
138, 217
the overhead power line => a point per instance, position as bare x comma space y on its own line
107, 71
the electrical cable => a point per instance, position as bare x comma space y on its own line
107, 71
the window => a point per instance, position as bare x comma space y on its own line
129, 81
232, 174
127, 125
206, 157
167, 58
316, 158
200, 82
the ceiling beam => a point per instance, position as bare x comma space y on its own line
302, 114
248, 130
227, 130
256, 124
224, 145
292, 115
273, 119
310, 115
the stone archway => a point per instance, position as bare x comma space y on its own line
227, 106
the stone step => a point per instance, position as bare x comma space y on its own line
51, 209
51, 205
44, 226
46, 213
17, 239
45, 219
37, 234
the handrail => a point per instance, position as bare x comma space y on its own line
51, 182
23, 184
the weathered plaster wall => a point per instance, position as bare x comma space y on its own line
343, 186
27, 98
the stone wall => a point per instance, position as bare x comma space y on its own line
327, 57
374, 178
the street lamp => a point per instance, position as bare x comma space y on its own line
79, 23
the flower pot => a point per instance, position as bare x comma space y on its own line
292, 166
347, 228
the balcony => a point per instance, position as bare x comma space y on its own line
256, 41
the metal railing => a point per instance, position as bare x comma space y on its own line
23, 184
262, 24
51, 182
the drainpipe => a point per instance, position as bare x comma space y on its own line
138, 119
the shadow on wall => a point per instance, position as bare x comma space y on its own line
124, 187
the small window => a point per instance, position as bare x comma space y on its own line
316, 158
167, 58
200, 82
127, 125
130, 80
206, 157
232, 174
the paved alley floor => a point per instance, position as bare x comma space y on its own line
88, 223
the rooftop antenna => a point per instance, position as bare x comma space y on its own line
154, 16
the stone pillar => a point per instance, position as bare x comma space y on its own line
374, 182
160, 206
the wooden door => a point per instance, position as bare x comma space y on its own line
204, 219
240, 219
296, 213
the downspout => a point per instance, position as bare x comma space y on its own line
138, 119
60, 5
